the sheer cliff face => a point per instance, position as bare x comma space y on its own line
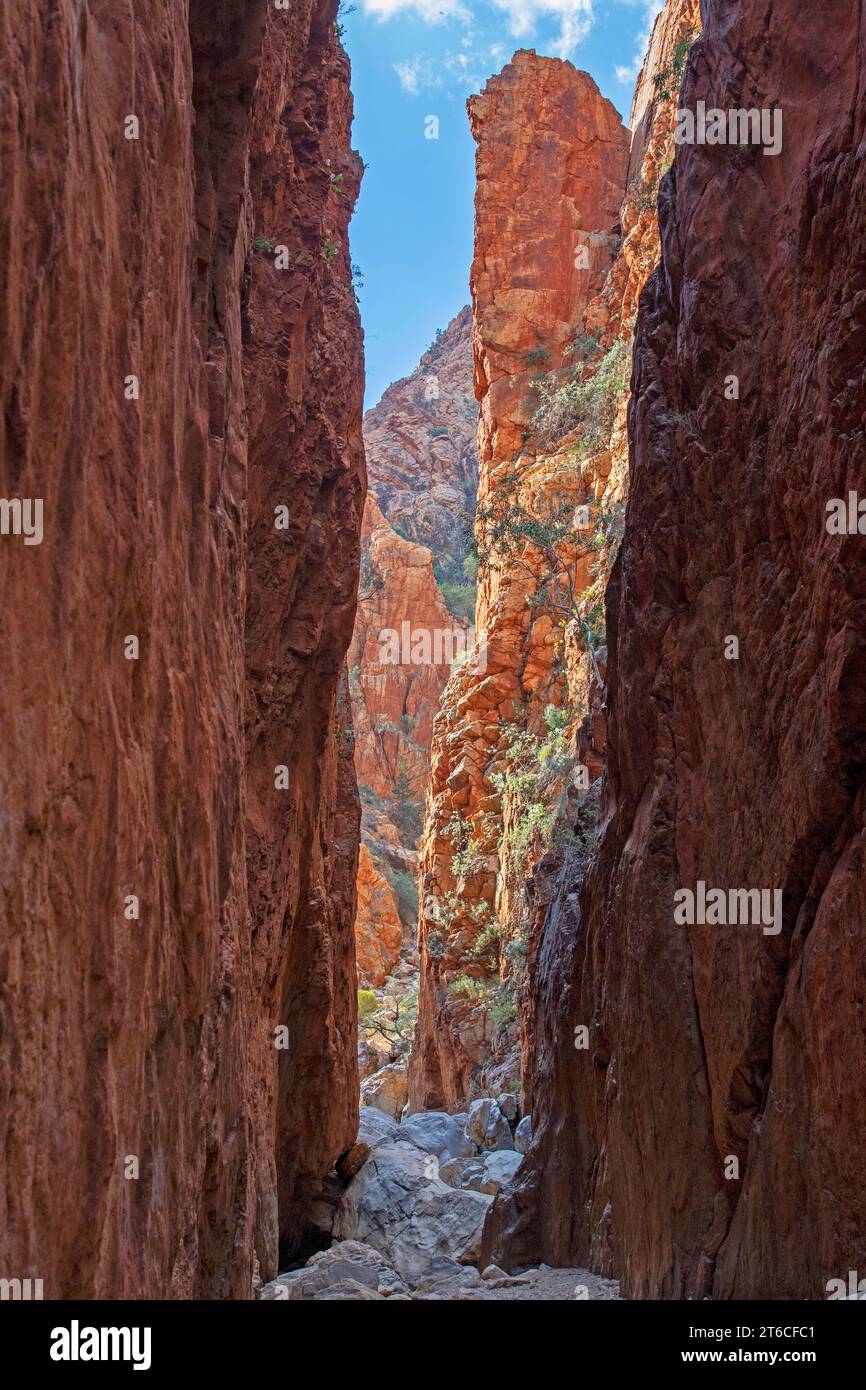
712, 1043
163, 906
423, 464
421, 450
551, 165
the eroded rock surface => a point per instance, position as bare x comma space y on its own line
551, 164
743, 773
422, 465
164, 905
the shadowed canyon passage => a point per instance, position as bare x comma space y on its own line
393, 794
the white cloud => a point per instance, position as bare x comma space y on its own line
575, 17
416, 73
628, 72
433, 11
408, 75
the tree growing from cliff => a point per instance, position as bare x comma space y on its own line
388, 1019
667, 81
405, 808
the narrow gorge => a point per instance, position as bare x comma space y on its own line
433, 835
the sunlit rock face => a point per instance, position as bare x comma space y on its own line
422, 468
705, 1142
420, 442
551, 164
165, 907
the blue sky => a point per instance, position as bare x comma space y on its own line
411, 234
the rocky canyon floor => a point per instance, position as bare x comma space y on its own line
408, 1224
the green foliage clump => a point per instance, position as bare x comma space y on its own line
367, 1003
406, 810
406, 888
459, 599
584, 346
537, 357
588, 402
532, 765
465, 847
667, 80
464, 987
503, 1010
389, 1019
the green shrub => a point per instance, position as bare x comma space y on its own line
367, 1003
406, 888
466, 988
537, 357
459, 600
588, 402
667, 81
503, 1010
435, 945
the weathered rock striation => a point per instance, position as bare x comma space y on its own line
422, 456
711, 1043
422, 461
173, 175
551, 170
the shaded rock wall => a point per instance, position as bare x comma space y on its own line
709, 1043
152, 1036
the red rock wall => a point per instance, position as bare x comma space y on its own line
708, 1041
422, 462
154, 1037
551, 165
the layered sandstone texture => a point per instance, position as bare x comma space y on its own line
421, 448
165, 386
551, 166
422, 463
705, 1143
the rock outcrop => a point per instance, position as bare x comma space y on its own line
181, 359
422, 463
378, 925
703, 1142
421, 448
551, 164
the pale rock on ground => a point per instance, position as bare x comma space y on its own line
508, 1105
463, 1172
357, 1270
408, 1226
487, 1126
499, 1168
386, 1090
438, 1133
398, 1204
523, 1135
375, 1126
